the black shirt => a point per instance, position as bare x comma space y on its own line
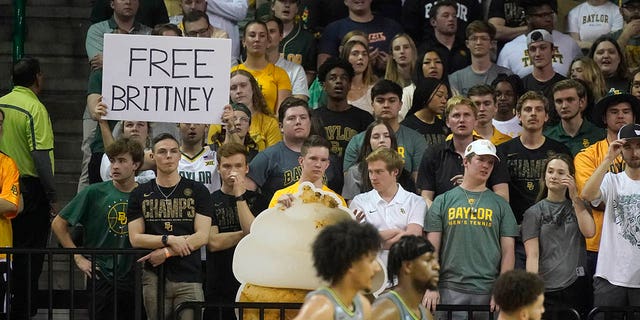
525, 168
434, 133
222, 285
441, 163
340, 127
174, 214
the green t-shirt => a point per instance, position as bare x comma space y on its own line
470, 250
101, 209
587, 135
26, 128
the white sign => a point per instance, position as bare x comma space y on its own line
165, 79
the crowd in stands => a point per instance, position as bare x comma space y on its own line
480, 127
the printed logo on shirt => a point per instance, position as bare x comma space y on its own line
462, 11
177, 209
14, 189
482, 217
600, 18
201, 176
117, 218
557, 57
626, 217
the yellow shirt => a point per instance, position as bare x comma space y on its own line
264, 130
271, 79
586, 162
499, 137
294, 188
9, 191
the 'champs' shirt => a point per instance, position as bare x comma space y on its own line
174, 215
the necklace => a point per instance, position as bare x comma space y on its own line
166, 196
472, 202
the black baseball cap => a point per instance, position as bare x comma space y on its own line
614, 96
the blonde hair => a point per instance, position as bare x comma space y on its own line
460, 100
391, 72
390, 157
592, 76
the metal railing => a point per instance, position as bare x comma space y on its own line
628, 313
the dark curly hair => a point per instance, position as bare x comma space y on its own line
516, 289
338, 246
406, 249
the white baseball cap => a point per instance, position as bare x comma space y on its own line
481, 147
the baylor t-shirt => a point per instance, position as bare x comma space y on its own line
173, 215
101, 209
472, 224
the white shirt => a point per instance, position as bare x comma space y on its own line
510, 127
515, 55
619, 255
593, 21
405, 208
202, 168
297, 76
225, 15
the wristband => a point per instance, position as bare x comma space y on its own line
240, 198
167, 254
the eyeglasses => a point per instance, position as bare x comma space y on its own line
542, 14
202, 33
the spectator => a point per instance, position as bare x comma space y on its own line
417, 17
386, 105
298, 45
298, 77
344, 255
167, 30
263, 129
444, 38
196, 25
226, 15
28, 140
186, 7
606, 53
468, 271
151, 13
357, 53
524, 157
543, 76
540, 15
441, 168
274, 82
574, 131
197, 161
123, 21
634, 84
553, 231
314, 161
480, 41
613, 111
174, 236
428, 65
380, 30
10, 205
628, 37
237, 122
413, 265
232, 217
400, 67
519, 294
585, 69
379, 134
97, 208
617, 270
394, 211
509, 19
341, 120
507, 90
485, 100
591, 19
278, 166
428, 104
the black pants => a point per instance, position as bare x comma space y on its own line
576, 296
30, 230
104, 300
